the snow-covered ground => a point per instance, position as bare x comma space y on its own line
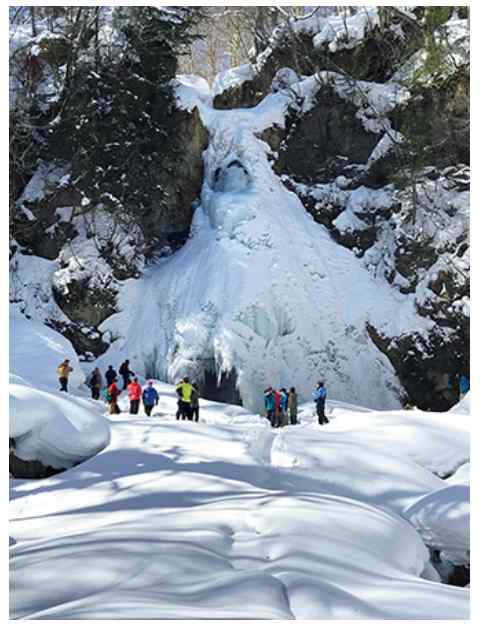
229, 518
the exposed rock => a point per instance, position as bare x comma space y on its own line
22, 469
86, 304
320, 144
428, 368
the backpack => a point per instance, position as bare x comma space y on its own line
106, 395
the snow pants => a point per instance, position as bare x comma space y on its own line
321, 413
134, 406
148, 409
195, 413
63, 383
95, 391
184, 410
271, 416
113, 407
293, 417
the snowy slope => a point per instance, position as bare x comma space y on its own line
260, 287
36, 351
224, 519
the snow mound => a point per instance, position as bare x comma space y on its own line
443, 520
36, 351
59, 431
209, 521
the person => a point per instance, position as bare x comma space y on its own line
95, 383
283, 407
183, 390
113, 393
110, 375
125, 372
269, 400
464, 385
320, 395
150, 398
195, 403
278, 412
134, 392
63, 371
292, 405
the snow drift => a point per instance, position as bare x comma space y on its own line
56, 430
229, 519
443, 520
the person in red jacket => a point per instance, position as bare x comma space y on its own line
278, 410
134, 391
113, 392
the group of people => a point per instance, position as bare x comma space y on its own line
188, 400
281, 406
149, 396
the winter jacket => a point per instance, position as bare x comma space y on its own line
283, 401
113, 392
269, 401
95, 380
195, 398
64, 370
150, 396
464, 384
292, 401
134, 391
124, 370
110, 376
320, 395
278, 397
184, 391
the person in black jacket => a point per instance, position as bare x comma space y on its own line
125, 372
110, 375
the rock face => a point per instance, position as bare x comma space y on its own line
81, 204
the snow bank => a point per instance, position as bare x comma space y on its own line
443, 520
56, 430
36, 351
194, 522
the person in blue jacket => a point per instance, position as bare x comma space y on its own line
150, 398
283, 407
464, 384
320, 396
269, 400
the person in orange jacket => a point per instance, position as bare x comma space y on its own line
64, 371
134, 391
113, 392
